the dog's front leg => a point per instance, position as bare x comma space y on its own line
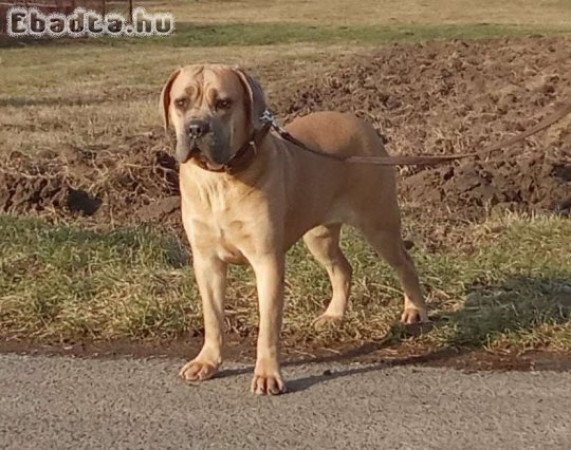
210, 273
269, 272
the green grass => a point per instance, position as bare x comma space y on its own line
243, 34
66, 283
272, 33
71, 282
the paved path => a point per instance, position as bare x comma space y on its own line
58, 402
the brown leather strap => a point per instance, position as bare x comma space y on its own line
424, 160
246, 154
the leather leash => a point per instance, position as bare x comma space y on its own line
245, 155
423, 160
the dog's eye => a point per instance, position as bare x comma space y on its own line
223, 103
181, 103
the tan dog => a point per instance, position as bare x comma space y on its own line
245, 202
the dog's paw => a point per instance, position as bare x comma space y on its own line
197, 370
326, 320
267, 380
268, 384
414, 315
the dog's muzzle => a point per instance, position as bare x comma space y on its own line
196, 131
184, 152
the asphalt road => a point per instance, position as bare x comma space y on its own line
60, 402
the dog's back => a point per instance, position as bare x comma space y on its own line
348, 135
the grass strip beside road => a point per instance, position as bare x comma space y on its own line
510, 290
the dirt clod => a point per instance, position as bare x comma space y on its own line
104, 183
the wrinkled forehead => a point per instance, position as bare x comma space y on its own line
200, 80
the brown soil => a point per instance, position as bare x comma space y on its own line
107, 183
441, 97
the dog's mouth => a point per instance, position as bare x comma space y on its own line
210, 165
196, 149
196, 153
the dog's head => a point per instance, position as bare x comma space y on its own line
214, 110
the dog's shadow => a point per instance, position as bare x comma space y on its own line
303, 383
306, 382
515, 307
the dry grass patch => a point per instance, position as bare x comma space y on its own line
114, 93
385, 12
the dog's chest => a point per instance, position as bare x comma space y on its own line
219, 222
222, 215
223, 235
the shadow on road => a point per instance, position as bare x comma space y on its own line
516, 307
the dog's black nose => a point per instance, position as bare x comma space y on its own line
198, 128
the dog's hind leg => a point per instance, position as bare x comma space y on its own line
384, 234
323, 243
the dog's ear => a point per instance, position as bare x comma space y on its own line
257, 99
166, 98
